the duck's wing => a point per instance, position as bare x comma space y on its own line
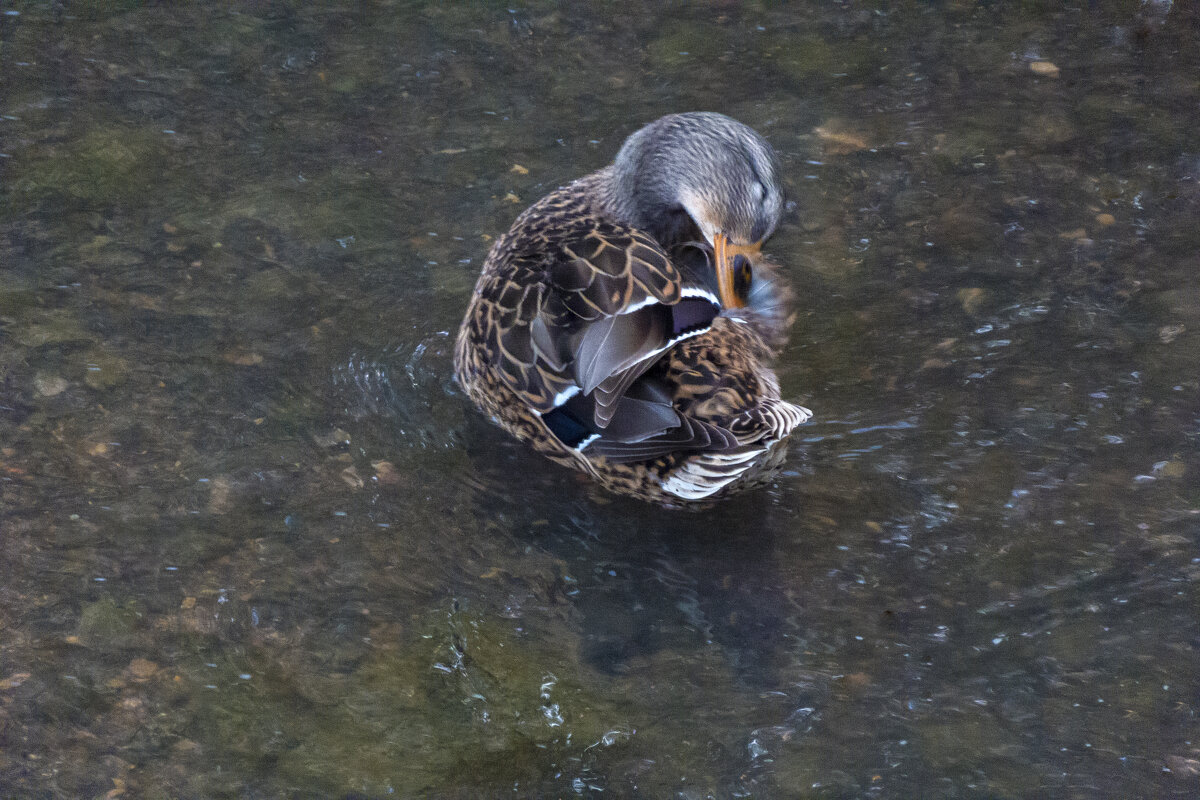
644, 427
581, 307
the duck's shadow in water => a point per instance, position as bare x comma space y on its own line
690, 580
648, 578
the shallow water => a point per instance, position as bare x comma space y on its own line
256, 543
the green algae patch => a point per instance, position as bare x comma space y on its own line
49, 327
346, 208
802, 58
104, 370
16, 299
687, 44
98, 9
452, 281
106, 166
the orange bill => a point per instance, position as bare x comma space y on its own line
724, 252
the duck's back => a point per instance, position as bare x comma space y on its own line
563, 265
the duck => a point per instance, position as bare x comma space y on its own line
626, 324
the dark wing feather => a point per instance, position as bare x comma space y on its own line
646, 426
690, 434
611, 390
613, 344
556, 305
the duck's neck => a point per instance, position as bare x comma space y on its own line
621, 196
602, 186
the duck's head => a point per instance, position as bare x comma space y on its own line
702, 176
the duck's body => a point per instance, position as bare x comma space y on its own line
599, 334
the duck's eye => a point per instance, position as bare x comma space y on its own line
743, 276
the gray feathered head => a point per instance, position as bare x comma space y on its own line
699, 173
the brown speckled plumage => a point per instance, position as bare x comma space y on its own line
605, 346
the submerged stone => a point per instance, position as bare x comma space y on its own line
107, 625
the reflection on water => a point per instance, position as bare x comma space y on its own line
257, 543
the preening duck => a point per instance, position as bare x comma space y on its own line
625, 324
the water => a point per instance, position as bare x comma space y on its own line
256, 544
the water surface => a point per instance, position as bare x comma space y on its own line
257, 544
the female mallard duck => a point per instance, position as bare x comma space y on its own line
624, 324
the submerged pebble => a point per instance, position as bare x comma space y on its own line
971, 299
50, 385
141, 668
